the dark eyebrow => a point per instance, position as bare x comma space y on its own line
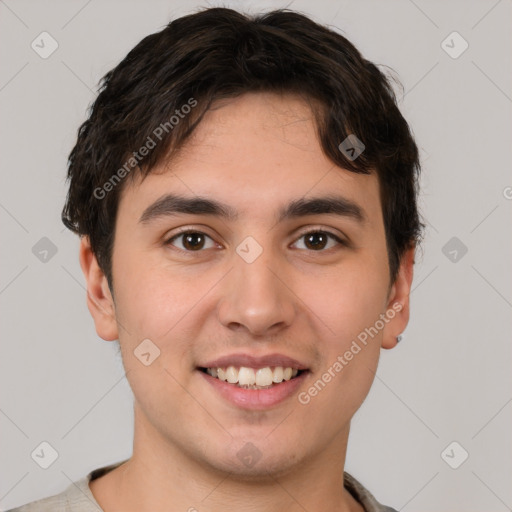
335, 205
172, 204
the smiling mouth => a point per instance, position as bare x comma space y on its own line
253, 378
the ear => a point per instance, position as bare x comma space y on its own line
99, 299
397, 309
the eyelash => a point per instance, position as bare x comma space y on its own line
302, 235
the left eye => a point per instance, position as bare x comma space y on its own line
320, 238
194, 241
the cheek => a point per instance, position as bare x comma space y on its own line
347, 305
150, 299
350, 353
153, 307
158, 304
347, 299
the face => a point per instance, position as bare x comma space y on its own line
277, 283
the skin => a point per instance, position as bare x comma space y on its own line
305, 302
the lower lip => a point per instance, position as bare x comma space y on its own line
255, 398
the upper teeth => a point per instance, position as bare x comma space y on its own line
247, 376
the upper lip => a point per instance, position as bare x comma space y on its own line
251, 361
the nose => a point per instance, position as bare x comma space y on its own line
256, 297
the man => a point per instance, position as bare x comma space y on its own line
245, 191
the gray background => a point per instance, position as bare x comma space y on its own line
449, 380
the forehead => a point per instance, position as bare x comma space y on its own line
254, 152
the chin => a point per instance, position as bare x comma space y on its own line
253, 461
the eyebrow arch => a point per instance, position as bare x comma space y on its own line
173, 204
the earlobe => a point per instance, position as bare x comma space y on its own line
99, 299
397, 309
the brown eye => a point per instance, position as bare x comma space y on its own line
318, 240
191, 241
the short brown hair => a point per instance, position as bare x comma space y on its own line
220, 53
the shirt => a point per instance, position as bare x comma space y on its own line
77, 497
